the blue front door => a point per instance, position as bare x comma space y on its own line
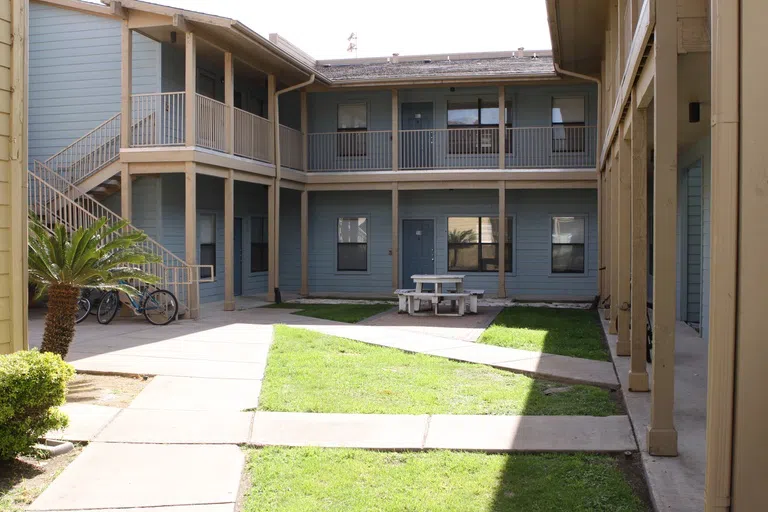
238, 256
418, 249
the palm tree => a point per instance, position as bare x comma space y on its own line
457, 238
101, 256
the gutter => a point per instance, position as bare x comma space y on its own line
276, 192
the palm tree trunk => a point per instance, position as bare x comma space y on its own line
60, 320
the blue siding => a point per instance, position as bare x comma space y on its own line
324, 210
290, 240
74, 74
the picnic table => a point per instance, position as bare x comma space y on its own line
410, 301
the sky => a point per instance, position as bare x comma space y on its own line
407, 27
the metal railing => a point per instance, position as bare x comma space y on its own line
350, 151
552, 147
54, 200
291, 152
91, 152
449, 148
253, 136
210, 116
158, 119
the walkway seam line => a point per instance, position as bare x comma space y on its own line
426, 432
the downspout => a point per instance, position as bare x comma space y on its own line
598, 142
276, 127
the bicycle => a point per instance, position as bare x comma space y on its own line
83, 307
158, 306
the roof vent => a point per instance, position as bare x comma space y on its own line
519, 52
326, 65
427, 61
535, 56
395, 58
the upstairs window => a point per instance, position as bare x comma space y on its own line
568, 127
473, 244
568, 236
207, 243
352, 244
259, 244
352, 122
473, 126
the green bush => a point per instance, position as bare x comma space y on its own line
32, 385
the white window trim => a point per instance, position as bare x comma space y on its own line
470, 272
209, 213
367, 270
584, 216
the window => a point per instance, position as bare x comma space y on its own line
508, 245
352, 244
568, 134
568, 245
207, 243
259, 244
352, 121
473, 244
480, 113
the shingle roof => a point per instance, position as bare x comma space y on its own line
507, 66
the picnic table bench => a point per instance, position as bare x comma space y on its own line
410, 300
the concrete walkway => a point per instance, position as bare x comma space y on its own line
175, 447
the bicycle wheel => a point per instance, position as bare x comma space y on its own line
83, 308
160, 307
108, 307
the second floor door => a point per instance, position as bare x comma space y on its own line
416, 139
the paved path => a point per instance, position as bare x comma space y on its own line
175, 447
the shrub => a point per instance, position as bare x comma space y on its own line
32, 385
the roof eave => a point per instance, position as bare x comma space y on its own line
445, 79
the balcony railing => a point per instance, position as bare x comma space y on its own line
556, 147
210, 129
350, 151
455, 148
253, 136
291, 154
158, 119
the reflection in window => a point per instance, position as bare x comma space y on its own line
482, 114
568, 132
207, 229
352, 123
352, 244
568, 245
259, 244
473, 244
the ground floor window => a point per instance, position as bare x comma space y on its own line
509, 241
259, 244
568, 247
352, 244
207, 243
473, 244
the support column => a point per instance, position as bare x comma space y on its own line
600, 237
126, 193
606, 175
395, 129
502, 238
662, 436
229, 100
638, 373
613, 177
502, 128
190, 90
190, 234
304, 131
726, 61
624, 241
229, 242
126, 87
395, 237
270, 243
304, 243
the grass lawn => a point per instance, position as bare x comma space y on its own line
304, 479
349, 313
567, 332
312, 372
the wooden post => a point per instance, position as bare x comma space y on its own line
502, 239
126, 192
624, 241
229, 100
190, 232
726, 61
613, 326
395, 237
662, 436
126, 87
600, 236
229, 242
304, 131
638, 373
304, 243
502, 128
190, 90
270, 243
395, 129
